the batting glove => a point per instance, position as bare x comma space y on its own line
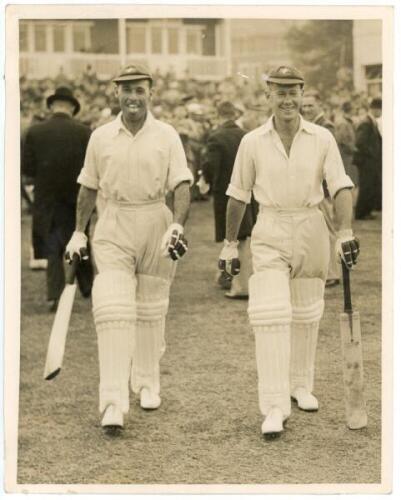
203, 186
229, 262
347, 247
174, 244
77, 245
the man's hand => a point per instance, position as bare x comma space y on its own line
229, 262
77, 245
347, 247
173, 243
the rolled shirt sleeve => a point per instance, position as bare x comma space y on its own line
89, 175
333, 169
243, 176
178, 170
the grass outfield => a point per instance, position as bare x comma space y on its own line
208, 427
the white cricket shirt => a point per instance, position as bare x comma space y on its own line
279, 181
134, 169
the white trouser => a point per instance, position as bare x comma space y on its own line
290, 252
134, 281
326, 206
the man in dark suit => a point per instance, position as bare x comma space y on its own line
217, 167
368, 158
312, 110
53, 155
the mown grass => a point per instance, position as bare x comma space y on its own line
207, 430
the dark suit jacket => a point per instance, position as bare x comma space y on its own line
217, 166
323, 122
368, 144
53, 154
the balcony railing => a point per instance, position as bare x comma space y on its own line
43, 65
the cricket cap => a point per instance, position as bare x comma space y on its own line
285, 75
133, 72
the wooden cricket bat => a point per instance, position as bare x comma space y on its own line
58, 334
351, 343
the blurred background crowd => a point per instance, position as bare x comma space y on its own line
186, 103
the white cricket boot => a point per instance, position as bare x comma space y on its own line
113, 418
273, 423
305, 400
149, 400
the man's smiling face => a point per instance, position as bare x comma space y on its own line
134, 98
286, 100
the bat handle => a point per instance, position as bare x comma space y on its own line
72, 269
347, 288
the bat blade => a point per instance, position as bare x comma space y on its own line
58, 334
351, 344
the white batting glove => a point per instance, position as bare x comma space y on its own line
174, 244
347, 247
229, 262
78, 244
203, 186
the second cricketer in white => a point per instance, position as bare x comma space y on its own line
132, 161
284, 163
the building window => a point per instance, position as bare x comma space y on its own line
156, 39
40, 38
136, 39
172, 40
59, 38
194, 38
373, 75
81, 37
23, 37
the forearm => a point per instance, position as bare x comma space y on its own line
234, 216
85, 206
343, 208
182, 201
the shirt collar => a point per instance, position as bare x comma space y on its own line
268, 127
118, 124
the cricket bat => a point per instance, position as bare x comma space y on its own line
58, 334
351, 343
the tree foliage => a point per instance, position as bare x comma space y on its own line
321, 49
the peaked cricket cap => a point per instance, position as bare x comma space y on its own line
285, 75
133, 72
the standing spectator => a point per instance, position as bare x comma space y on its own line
132, 161
368, 158
312, 110
53, 155
221, 149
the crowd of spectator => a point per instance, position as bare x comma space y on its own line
186, 103
174, 99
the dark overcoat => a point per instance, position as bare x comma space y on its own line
217, 166
53, 154
368, 158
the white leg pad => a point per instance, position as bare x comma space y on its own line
152, 306
114, 315
307, 310
270, 316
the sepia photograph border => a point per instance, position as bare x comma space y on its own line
12, 248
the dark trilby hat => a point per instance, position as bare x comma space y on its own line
133, 72
285, 75
227, 108
376, 103
64, 94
